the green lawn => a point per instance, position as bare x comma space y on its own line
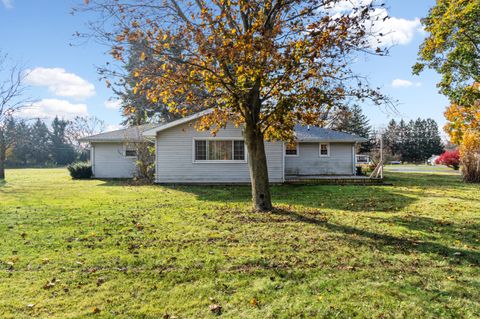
105, 249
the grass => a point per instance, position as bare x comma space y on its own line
104, 249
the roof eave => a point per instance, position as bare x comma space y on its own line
319, 140
83, 140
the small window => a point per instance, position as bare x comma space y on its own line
130, 153
324, 149
219, 150
239, 150
291, 149
200, 150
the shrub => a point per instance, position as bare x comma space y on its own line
80, 170
470, 156
450, 159
145, 162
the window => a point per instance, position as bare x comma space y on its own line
324, 149
291, 149
200, 150
238, 150
219, 150
130, 153
130, 150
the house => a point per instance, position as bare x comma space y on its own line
185, 155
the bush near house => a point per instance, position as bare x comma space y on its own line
80, 170
450, 159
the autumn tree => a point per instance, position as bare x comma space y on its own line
12, 100
452, 48
264, 65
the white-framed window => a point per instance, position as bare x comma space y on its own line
130, 150
291, 149
218, 150
324, 149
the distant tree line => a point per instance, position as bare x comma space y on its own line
414, 141
36, 144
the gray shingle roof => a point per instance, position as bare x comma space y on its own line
129, 134
319, 134
302, 134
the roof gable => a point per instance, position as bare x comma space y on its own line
129, 134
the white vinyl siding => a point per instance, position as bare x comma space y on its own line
109, 161
309, 162
176, 158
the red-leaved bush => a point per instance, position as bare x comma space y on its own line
450, 159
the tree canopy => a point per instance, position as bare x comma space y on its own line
452, 47
267, 65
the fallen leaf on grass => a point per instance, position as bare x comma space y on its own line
216, 309
50, 284
95, 310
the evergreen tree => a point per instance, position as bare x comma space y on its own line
434, 141
40, 149
136, 107
352, 120
19, 152
390, 138
62, 153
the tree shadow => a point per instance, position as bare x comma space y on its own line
383, 242
340, 197
446, 229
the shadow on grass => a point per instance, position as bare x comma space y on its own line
384, 241
347, 198
3, 182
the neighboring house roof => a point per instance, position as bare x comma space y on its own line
320, 134
129, 134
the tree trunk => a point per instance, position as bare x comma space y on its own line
257, 162
2, 155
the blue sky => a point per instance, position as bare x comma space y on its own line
39, 32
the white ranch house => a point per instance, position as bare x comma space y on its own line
185, 155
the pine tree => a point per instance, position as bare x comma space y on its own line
434, 144
62, 153
137, 108
352, 120
40, 149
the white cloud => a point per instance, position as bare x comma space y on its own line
400, 83
395, 31
386, 30
61, 83
49, 108
347, 5
113, 104
7, 4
